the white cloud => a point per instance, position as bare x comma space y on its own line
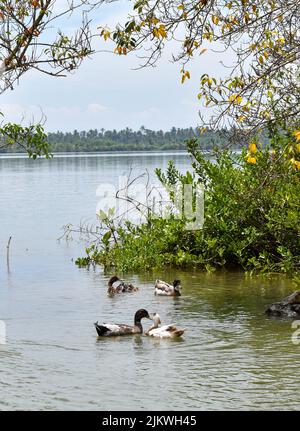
95, 108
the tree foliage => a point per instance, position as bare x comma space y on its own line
262, 84
29, 139
251, 214
30, 39
131, 140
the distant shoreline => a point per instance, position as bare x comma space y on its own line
66, 154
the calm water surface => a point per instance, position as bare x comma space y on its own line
232, 356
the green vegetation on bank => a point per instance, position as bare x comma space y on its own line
126, 140
252, 218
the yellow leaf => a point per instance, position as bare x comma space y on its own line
251, 160
253, 148
180, 7
203, 51
261, 59
215, 19
155, 32
236, 99
297, 135
106, 35
162, 31
118, 50
295, 163
185, 74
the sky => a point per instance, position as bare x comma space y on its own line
106, 92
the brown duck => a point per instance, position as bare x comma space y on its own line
115, 285
115, 329
165, 289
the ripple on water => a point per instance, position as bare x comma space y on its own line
231, 357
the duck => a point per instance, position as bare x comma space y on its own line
166, 331
116, 329
115, 285
166, 289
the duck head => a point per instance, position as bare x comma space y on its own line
177, 286
112, 280
156, 319
141, 314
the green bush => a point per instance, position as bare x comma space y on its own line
251, 214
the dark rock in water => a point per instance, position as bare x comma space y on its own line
288, 307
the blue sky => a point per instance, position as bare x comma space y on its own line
107, 93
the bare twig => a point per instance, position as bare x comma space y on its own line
7, 253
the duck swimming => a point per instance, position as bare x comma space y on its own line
115, 329
166, 331
166, 289
115, 285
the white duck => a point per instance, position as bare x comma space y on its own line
166, 331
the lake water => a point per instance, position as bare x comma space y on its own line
232, 356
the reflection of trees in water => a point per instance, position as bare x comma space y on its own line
228, 296
233, 293
227, 310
